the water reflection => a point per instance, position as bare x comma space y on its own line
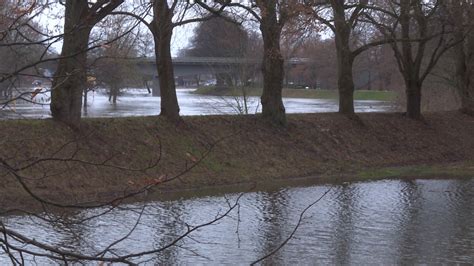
164, 230
385, 222
410, 206
345, 216
274, 223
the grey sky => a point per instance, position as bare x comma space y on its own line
53, 21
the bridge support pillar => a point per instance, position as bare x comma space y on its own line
156, 87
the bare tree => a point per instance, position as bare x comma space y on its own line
70, 79
167, 15
343, 18
113, 65
413, 26
220, 37
271, 17
23, 48
322, 71
460, 13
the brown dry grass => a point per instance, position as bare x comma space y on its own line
245, 150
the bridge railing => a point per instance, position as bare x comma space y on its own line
224, 60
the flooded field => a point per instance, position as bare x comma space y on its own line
138, 102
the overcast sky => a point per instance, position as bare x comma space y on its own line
53, 21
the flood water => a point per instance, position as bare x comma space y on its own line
138, 102
379, 223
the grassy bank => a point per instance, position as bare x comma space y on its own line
300, 93
110, 157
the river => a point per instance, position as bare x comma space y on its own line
138, 102
381, 223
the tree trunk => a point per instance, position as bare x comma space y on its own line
413, 94
345, 83
467, 102
463, 79
84, 105
464, 53
169, 100
163, 31
114, 91
345, 59
410, 59
229, 80
114, 98
86, 91
220, 81
272, 67
70, 78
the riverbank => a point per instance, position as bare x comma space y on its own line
372, 95
113, 157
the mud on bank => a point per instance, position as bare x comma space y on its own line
111, 157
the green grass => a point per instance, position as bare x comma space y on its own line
301, 93
311, 94
375, 95
463, 170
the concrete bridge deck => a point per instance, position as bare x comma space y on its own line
187, 66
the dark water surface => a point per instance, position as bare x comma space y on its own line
380, 223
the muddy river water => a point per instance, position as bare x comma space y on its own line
138, 102
380, 223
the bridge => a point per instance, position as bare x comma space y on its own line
191, 66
